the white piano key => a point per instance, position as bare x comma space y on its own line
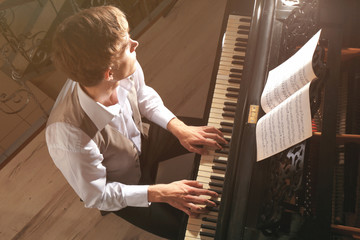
215, 118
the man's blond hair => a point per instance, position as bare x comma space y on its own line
86, 44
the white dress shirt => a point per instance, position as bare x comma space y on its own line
79, 158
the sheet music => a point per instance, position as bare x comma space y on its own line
290, 76
285, 100
287, 124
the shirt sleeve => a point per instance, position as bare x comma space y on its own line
150, 103
80, 161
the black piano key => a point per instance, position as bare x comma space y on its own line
207, 219
226, 152
232, 95
228, 124
235, 70
225, 130
237, 57
240, 49
230, 104
240, 39
232, 75
244, 27
229, 109
232, 89
237, 62
214, 177
243, 32
220, 161
236, 81
215, 190
216, 184
229, 115
212, 209
240, 44
222, 151
206, 234
208, 226
247, 20
224, 145
227, 139
215, 201
218, 168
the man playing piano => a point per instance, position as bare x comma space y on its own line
94, 130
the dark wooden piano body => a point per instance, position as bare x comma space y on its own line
291, 195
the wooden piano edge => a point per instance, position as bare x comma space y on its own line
354, 232
341, 138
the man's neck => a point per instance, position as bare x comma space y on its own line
104, 93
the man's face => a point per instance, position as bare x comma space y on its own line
126, 60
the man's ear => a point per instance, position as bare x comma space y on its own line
108, 74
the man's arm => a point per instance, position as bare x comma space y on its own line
152, 107
80, 161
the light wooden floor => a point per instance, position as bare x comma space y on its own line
177, 55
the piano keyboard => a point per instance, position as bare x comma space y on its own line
227, 87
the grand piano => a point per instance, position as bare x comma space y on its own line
312, 189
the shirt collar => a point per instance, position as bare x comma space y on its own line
96, 111
124, 88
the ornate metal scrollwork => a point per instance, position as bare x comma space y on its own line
288, 169
20, 99
299, 27
93, 3
15, 102
286, 175
33, 49
127, 7
28, 46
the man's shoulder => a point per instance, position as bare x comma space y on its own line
67, 138
66, 108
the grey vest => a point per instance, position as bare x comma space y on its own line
109, 141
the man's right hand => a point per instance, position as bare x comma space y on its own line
185, 195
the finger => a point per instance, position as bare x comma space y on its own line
200, 141
193, 183
200, 200
200, 191
183, 208
198, 150
211, 129
196, 209
208, 142
215, 137
192, 148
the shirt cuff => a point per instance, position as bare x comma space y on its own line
136, 195
162, 117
